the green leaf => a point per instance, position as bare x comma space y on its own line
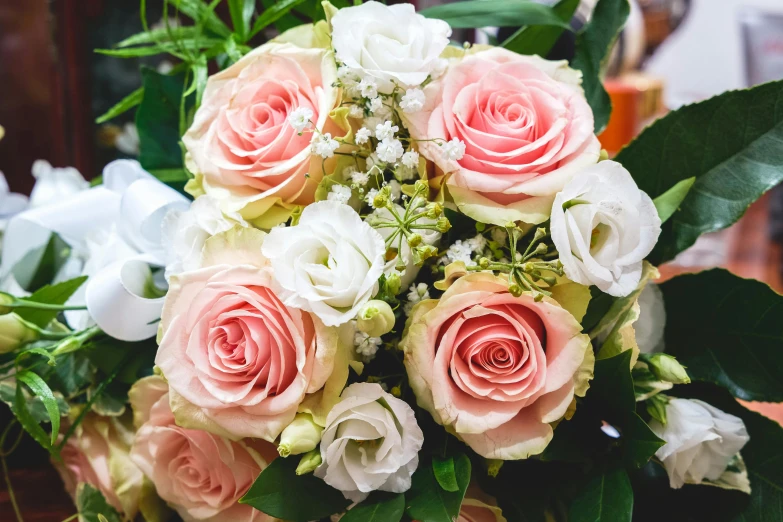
378, 507
169, 176
72, 375
597, 308
34, 404
272, 14
51, 294
606, 497
667, 203
157, 120
592, 48
107, 352
241, 12
160, 48
41, 390
201, 13
612, 385
539, 39
280, 492
501, 13
612, 395
728, 331
27, 421
162, 35
91, 504
427, 500
124, 105
445, 473
730, 143
39, 266
639, 441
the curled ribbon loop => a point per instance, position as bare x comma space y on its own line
132, 202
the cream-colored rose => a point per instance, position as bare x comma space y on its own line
201, 475
518, 129
239, 361
241, 144
497, 370
98, 453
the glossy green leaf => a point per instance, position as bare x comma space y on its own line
51, 294
727, 330
41, 390
91, 505
445, 473
667, 203
427, 500
27, 421
730, 143
162, 35
378, 507
593, 45
272, 14
280, 492
539, 39
157, 120
202, 13
607, 496
124, 105
639, 441
501, 13
241, 12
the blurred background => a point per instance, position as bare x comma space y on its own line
672, 52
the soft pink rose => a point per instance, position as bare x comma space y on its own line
98, 454
238, 361
526, 126
494, 368
250, 157
200, 475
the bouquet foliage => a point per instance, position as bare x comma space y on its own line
361, 271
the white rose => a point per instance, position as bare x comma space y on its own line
603, 227
328, 264
184, 233
429, 237
371, 442
390, 44
700, 441
652, 320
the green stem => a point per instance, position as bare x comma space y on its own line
23, 303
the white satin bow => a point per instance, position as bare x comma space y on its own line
134, 203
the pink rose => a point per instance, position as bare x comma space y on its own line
238, 361
494, 368
526, 126
200, 475
250, 156
98, 454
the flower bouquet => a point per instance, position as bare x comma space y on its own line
362, 272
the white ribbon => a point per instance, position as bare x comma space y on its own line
134, 203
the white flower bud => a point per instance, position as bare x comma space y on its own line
301, 436
14, 332
375, 318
